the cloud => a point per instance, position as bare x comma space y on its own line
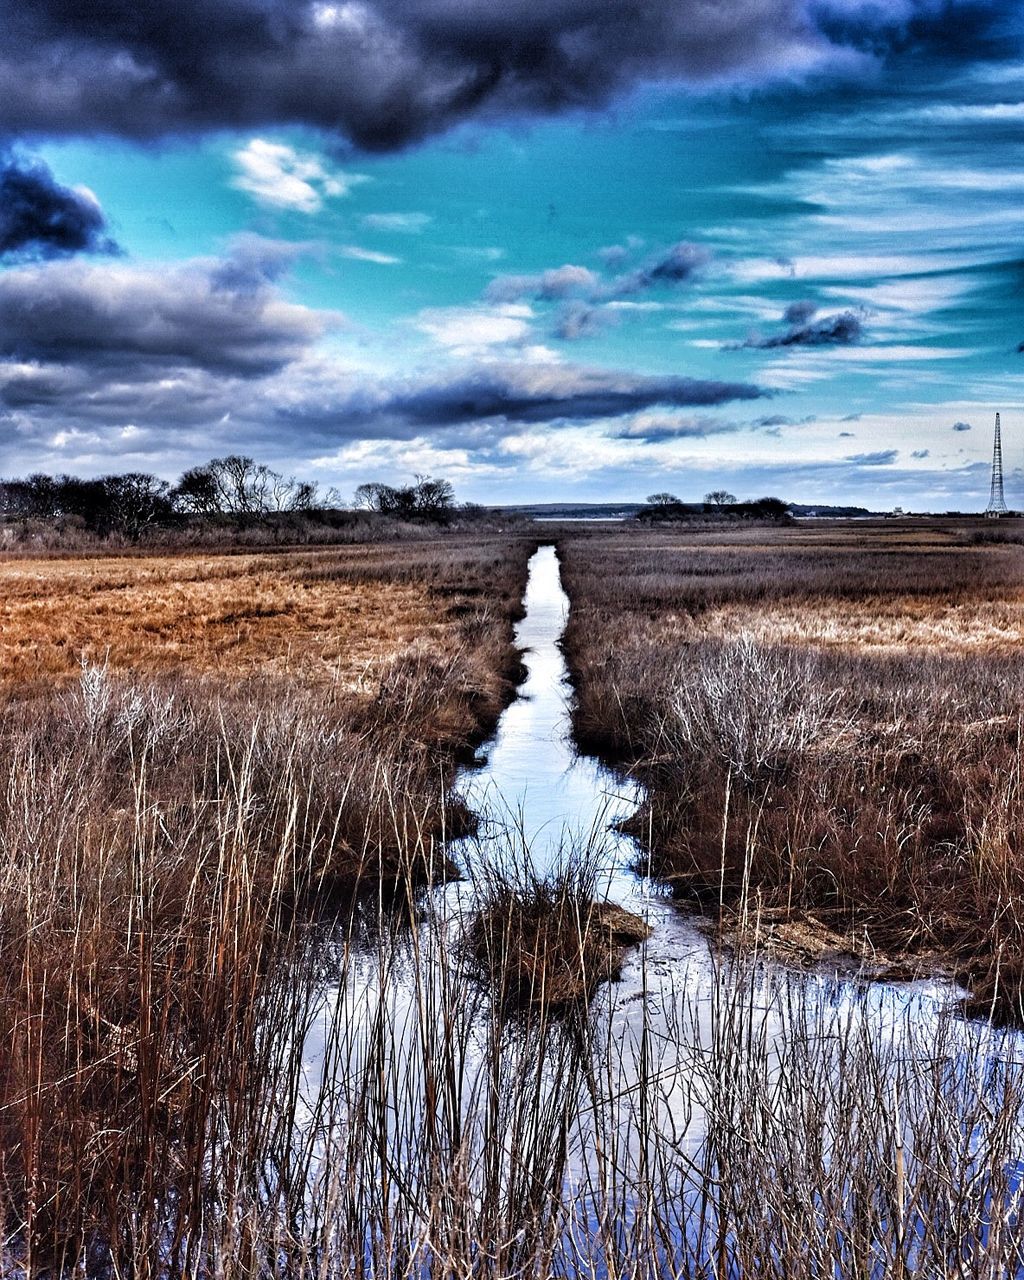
580, 320
221, 316
614, 255
472, 328
404, 223
657, 427
881, 458
546, 393
921, 453
276, 174
385, 73
961, 426
39, 218
839, 330
358, 254
590, 301
799, 313
545, 286
676, 265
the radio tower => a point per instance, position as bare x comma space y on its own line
996, 501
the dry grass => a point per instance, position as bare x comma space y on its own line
328, 617
548, 942
163, 1114
260, 738
828, 722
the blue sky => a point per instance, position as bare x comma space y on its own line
793, 268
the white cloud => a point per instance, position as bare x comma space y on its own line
406, 223
276, 174
368, 255
468, 329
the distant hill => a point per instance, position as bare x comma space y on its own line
575, 510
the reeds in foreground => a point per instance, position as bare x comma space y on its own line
200, 1084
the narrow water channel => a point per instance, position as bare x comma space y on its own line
534, 786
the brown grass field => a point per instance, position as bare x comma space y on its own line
224, 777
828, 721
329, 617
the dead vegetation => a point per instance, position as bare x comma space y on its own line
548, 941
202, 760
828, 723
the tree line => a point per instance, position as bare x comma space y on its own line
720, 502
130, 503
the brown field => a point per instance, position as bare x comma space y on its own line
828, 722
226, 811
326, 617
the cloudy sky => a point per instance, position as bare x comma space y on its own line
549, 249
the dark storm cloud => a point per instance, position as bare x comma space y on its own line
961, 426
131, 323
542, 393
386, 72
490, 396
41, 219
839, 330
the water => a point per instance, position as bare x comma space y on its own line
534, 782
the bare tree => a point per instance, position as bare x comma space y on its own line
429, 498
720, 498
135, 502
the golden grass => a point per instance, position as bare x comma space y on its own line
237, 616
319, 617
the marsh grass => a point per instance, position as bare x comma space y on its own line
547, 939
870, 790
202, 1080
221, 1060
169, 843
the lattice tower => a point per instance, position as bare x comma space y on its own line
996, 501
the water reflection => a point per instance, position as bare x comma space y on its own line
534, 781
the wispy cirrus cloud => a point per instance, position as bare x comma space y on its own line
403, 223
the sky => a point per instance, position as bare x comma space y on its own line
550, 250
